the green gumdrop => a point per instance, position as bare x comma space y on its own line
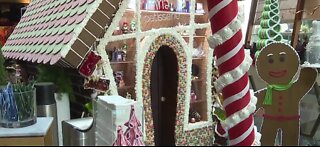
259, 44
265, 15
268, 1
266, 8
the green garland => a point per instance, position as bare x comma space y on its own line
58, 76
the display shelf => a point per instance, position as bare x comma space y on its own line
121, 62
198, 58
125, 87
199, 101
124, 90
201, 107
164, 12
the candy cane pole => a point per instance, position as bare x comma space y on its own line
233, 65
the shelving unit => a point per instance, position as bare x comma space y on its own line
127, 67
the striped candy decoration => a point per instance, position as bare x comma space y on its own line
233, 65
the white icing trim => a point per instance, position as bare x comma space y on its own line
237, 96
226, 32
233, 75
198, 125
218, 7
188, 126
241, 115
155, 31
230, 54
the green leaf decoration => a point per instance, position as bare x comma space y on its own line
221, 114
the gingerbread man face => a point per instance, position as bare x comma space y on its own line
277, 64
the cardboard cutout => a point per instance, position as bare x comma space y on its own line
279, 66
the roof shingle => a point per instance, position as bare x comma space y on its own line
49, 27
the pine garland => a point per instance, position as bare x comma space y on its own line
58, 76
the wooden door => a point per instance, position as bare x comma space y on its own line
164, 85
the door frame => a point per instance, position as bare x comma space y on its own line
164, 83
176, 46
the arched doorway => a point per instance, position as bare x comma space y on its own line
165, 46
164, 86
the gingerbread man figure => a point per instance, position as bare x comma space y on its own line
279, 66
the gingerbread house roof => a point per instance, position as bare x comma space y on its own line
59, 31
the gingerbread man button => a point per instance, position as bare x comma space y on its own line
279, 66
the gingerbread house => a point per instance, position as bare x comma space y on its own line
153, 51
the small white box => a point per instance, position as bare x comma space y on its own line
113, 111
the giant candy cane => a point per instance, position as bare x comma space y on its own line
233, 65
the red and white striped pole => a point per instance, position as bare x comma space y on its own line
233, 65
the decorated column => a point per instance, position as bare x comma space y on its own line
233, 64
270, 24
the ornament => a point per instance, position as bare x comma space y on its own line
117, 31
125, 28
193, 120
122, 83
89, 64
197, 53
133, 26
194, 114
118, 75
129, 96
119, 54
97, 83
171, 7
193, 97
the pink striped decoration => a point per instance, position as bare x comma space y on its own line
233, 65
